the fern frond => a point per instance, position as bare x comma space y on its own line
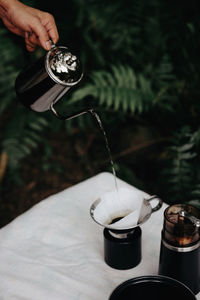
118, 89
180, 175
21, 136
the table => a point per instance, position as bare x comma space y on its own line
54, 250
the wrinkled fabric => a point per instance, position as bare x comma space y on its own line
54, 251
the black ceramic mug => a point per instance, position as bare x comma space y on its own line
152, 287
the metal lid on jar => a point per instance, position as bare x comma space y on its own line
63, 66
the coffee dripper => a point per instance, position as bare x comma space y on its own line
121, 214
47, 80
180, 245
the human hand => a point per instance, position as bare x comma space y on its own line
36, 26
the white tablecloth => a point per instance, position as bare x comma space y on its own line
54, 251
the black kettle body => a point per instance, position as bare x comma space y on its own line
42, 84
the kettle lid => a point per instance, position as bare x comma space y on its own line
63, 66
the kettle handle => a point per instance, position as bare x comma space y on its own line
52, 44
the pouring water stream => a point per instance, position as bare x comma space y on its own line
107, 147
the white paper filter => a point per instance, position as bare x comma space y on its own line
123, 203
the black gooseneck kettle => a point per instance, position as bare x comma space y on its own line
43, 83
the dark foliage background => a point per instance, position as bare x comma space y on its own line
141, 74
